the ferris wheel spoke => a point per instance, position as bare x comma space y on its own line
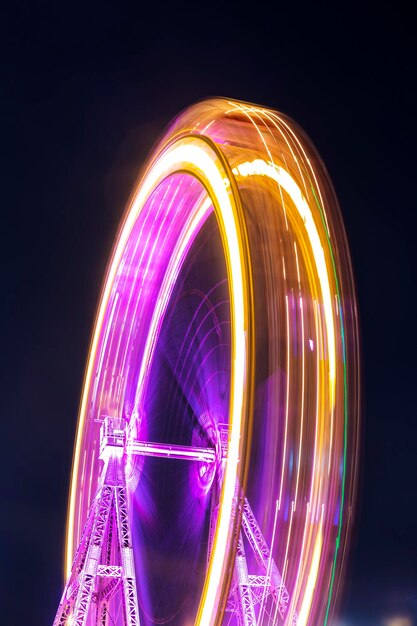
196, 422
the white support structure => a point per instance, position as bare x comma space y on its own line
84, 590
104, 563
264, 559
248, 590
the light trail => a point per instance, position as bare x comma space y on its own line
293, 355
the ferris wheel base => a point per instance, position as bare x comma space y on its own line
104, 565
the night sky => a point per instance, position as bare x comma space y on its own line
85, 91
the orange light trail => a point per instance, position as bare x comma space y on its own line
294, 338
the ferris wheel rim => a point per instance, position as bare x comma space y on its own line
211, 173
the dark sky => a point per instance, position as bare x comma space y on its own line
84, 93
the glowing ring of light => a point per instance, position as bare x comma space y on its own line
193, 155
233, 149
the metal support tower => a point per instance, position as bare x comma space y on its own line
104, 562
248, 590
103, 565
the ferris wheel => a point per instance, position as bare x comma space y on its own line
215, 461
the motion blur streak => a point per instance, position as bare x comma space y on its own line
266, 351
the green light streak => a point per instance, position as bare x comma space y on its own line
342, 501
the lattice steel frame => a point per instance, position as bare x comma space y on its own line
107, 532
109, 507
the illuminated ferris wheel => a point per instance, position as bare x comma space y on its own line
214, 467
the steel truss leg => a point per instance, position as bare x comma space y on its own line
248, 590
94, 554
243, 588
69, 594
265, 561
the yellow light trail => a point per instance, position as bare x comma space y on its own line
293, 327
